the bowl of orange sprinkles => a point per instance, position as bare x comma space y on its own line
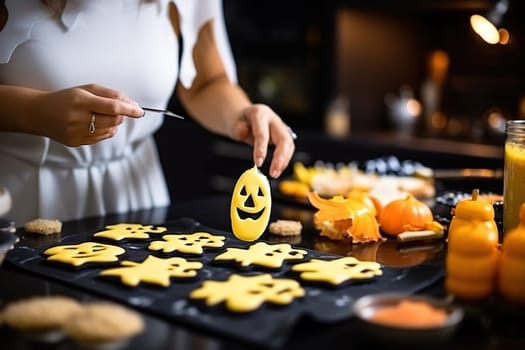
407, 320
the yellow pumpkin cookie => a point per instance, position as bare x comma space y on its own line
251, 205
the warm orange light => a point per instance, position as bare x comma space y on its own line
487, 26
485, 29
413, 107
439, 120
496, 120
504, 36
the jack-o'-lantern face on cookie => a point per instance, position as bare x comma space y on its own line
250, 205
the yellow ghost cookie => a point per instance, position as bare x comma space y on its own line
262, 254
82, 253
154, 270
247, 293
193, 243
337, 271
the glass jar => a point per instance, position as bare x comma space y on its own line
513, 173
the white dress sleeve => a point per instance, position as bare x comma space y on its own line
23, 15
193, 15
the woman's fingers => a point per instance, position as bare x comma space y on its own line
66, 115
258, 117
103, 121
268, 128
283, 138
111, 102
90, 129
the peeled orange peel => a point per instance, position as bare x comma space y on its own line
342, 218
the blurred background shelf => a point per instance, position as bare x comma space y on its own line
411, 78
213, 164
299, 55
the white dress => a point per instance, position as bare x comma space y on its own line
127, 45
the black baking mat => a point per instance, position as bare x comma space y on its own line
268, 326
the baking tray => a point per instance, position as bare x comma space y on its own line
269, 326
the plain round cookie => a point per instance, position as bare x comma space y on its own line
103, 322
43, 226
286, 227
39, 313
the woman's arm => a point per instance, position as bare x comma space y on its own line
223, 107
65, 115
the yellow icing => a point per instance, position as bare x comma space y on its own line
337, 271
187, 243
261, 253
79, 254
251, 205
153, 270
247, 293
125, 230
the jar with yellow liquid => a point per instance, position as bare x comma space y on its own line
514, 173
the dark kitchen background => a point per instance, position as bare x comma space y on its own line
340, 72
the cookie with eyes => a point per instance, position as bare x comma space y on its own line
83, 254
129, 231
261, 254
192, 243
243, 293
251, 205
337, 272
154, 271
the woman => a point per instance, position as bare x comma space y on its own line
74, 140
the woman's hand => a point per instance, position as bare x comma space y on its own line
260, 126
223, 107
66, 115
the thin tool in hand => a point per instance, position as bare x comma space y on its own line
163, 111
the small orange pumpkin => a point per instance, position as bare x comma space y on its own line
404, 214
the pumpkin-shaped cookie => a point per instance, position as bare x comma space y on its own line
251, 205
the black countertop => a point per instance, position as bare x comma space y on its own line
490, 325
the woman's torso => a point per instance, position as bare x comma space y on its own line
127, 45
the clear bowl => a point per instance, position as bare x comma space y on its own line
400, 336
